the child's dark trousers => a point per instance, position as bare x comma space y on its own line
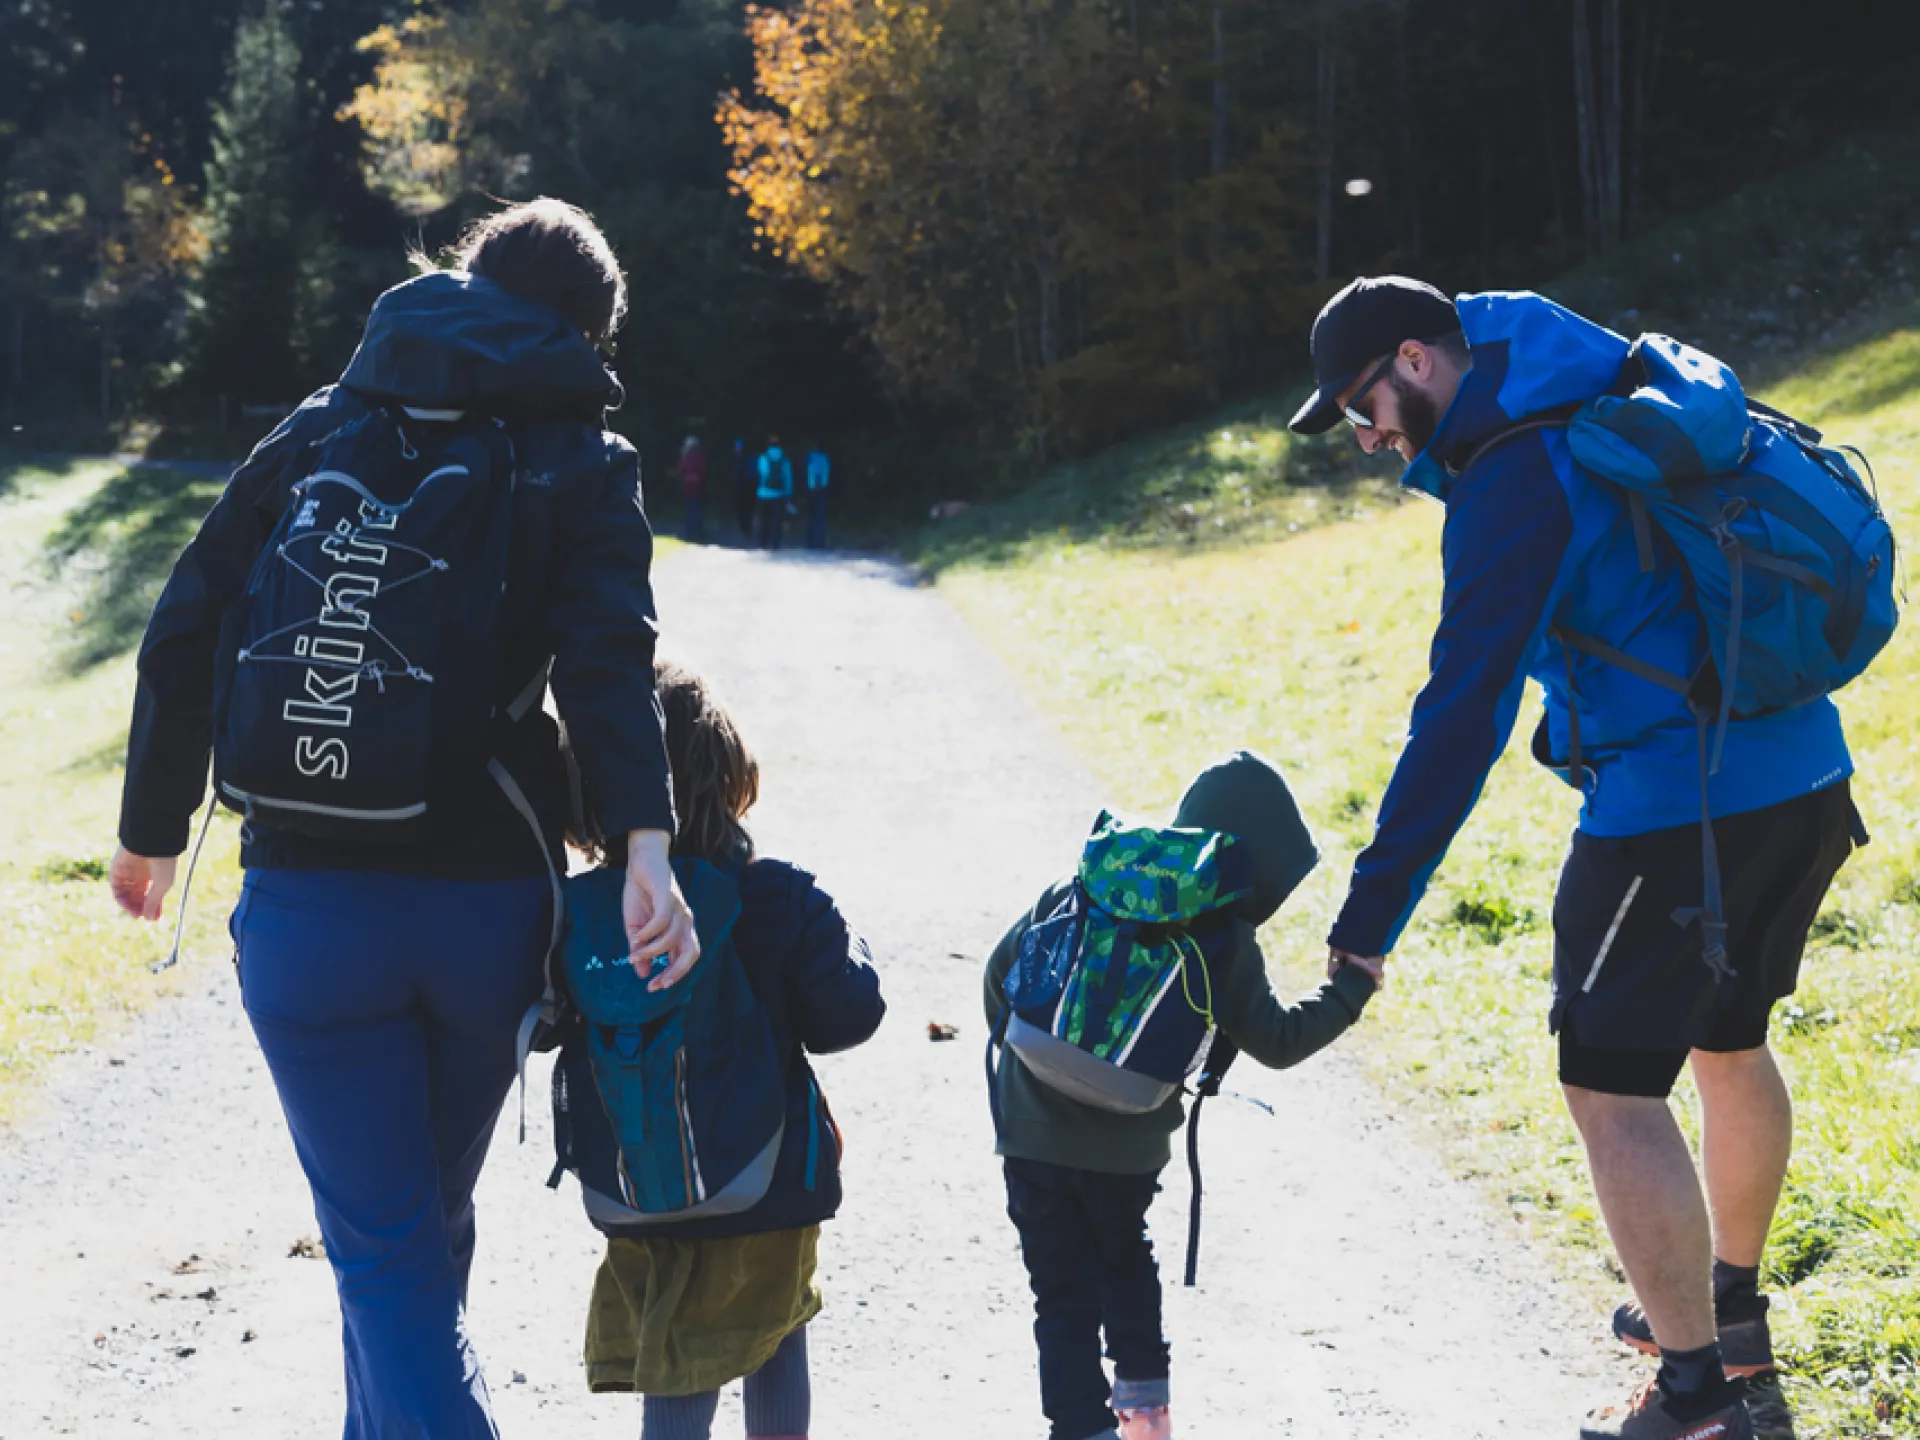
1083, 1236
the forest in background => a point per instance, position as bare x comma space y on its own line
953, 239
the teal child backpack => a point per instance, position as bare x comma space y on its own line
1788, 555
689, 1078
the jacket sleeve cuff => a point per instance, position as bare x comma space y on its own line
1354, 987
640, 812
155, 839
1357, 934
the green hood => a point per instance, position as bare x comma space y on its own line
1247, 797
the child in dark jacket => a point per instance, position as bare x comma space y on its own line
681, 1310
1080, 1179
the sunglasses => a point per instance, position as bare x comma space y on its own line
1358, 418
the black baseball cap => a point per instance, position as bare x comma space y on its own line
1366, 320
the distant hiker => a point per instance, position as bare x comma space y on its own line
1604, 549
775, 493
709, 1273
693, 491
361, 635
744, 487
819, 471
1087, 1088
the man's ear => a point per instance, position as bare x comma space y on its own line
1418, 358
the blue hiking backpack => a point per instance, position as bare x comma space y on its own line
1789, 558
1110, 998
359, 663
668, 1105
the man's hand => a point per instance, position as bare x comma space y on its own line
140, 882
658, 920
1374, 965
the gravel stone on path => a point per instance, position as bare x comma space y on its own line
1349, 1289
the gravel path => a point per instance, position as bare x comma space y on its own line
1350, 1289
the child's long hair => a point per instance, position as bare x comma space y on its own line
716, 780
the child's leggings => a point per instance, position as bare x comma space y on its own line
779, 1402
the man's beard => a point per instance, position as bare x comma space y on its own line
1418, 417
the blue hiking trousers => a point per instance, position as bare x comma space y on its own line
387, 1007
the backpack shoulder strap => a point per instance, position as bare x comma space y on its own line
1556, 418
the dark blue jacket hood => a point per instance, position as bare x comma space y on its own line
1529, 355
456, 341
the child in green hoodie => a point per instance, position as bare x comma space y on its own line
1080, 1178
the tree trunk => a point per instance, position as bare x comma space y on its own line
1611, 124
1649, 40
1325, 77
1216, 240
1550, 138
106, 375
1600, 109
1585, 124
1176, 188
1220, 96
1408, 141
17, 358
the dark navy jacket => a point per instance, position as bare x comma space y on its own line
1531, 542
577, 589
815, 977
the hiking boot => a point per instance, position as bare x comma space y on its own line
1153, 1423
1646, 1416
1746, 1346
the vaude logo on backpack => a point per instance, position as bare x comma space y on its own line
670, 1105
1110, 999
361, 656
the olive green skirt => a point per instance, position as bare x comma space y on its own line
680, 1317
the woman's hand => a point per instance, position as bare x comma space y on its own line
139, 882
659, 924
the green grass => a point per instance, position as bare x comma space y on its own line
1157, 648
84, 547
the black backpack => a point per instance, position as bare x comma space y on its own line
362, 659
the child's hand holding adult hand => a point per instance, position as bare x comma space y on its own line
1374, 965
659, 924
139, 882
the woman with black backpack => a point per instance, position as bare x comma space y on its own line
360, 636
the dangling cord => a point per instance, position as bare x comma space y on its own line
186, 889
1205, 1012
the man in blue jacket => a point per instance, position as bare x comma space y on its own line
1534, 546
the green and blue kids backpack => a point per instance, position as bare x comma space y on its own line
669, 1105
1110, 1000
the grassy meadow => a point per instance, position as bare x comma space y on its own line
1222, 602
83, 548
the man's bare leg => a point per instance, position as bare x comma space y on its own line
1650, 1198
1746, 1139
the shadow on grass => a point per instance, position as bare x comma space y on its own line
1237, 478
125, 537
17, 467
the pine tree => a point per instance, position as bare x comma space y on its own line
242, 338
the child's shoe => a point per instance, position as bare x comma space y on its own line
1153, 1422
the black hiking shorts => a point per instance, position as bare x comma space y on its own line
1632, 994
